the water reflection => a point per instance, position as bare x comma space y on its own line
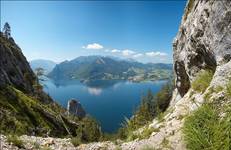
94, 85
94, 91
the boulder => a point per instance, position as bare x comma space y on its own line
74, 107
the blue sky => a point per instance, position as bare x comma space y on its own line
63, 30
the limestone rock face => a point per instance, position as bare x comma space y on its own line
203, 40
74, 107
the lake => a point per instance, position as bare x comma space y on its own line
109, 101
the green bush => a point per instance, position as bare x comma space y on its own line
202, 81
15, 140
76, 141
205, 129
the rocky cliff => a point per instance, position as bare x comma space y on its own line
23, 108
14, 68
203, 40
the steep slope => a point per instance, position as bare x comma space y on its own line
99, 67
25, 108
14, 69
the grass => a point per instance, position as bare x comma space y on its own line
147, 132
205, 129
228, 89
15, 140
202, 81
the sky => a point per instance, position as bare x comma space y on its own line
64, 30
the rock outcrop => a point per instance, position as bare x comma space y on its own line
74, 107
203, 40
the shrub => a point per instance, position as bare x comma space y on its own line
15, 140
76, 141
202, 81
205, 129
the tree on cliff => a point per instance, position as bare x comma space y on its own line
39, 72
6, 30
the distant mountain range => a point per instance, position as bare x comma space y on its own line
106, 68
47, 65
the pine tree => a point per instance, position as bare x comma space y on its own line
7, 30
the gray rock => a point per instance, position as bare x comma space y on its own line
74, 107
203, 40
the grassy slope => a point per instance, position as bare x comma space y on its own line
21, 114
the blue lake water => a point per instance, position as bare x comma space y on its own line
109, 101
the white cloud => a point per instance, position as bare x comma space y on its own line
93, 46
128, 52
138, 55
155, 54
115, 51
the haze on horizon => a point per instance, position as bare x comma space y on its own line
59, 30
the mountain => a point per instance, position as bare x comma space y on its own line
100, 67
48, 65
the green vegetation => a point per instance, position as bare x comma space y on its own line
25, 115
209, 127
89, 130
147, 147
205, 129
151, 106
146, 133
76, 141
15, 140
202, 81
228, 89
